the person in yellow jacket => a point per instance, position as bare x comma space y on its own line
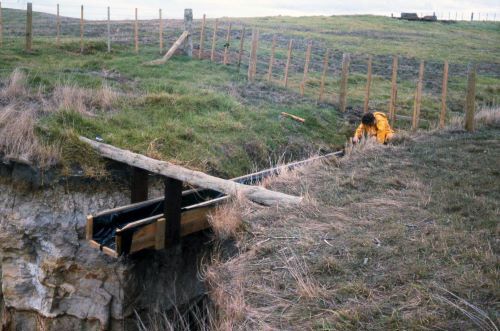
374, 125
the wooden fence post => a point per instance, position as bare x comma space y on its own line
394, 90
58, 28
173, 205
346, 59
288, 60
306, 68
108, 26
323, 76
470, 100
214, 39
226, 45
188, 26
1, 25
240, 54
252, 66
81, 29
138, 185
368, 84
29, 26
271, 60
202, 37
136, 33
418, 98
444, 92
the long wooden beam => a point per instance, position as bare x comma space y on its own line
256, 194
171, 51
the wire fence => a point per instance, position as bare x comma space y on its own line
225, 43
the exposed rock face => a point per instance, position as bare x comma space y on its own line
52, 280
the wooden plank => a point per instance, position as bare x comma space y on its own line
160, 30
226, 46
368, 84
109, 251
271, 60
240, 53
418, 97
94, 244
89, 228
144, 238
138, 185
444, 92
81, 29
202, 37
160, 234
195, 220
306, 68
470, 100
136, 33
346, 59
288, 61
323, 75
29, 27
173, 205
293, 117
214, 41
394, 90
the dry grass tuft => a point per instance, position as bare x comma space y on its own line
226, 220
488, 117
15, 87
83, 101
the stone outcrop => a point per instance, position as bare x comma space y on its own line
52, 280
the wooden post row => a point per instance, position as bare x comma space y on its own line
109, 30
288, 61
470, 100
136, 33
323, 76
346, 59
306, 68
368, 84
58, 28
160, 30
394, 90
271, 60
444, 92
202, 37
240, 54
418, 98
214, 39
29, 26
81, 29
226, 45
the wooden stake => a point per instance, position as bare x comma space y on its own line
252, 67
323, 76
136, 33
293, 117
470, 100
160, 30
226, 46
29, 26
58, 28
214, 39
418, 98
109, 30
171, 51
346, 59
306, 68
368, 84
1, 25
394, 90
188, 26
444, 92
240, 54
138, 185
202, 37
288, 59
271, 60
173, 205
81, 29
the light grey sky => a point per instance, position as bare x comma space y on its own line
121, 9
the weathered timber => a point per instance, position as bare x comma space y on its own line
171, 51
257, 194
293, 117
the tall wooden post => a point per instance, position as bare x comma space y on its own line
346, 59
188, 26
29, 26
271, 60
173, 205
368, 84
202, 37
288, 60
138, 185
214, 40
108, 26
240, 54
252, 67
81, 29
160, 31
1, 25
323, 75
226, 46
306, 68
418, 98
444, 92
470, 100
394, 90
136, 33
58, 28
